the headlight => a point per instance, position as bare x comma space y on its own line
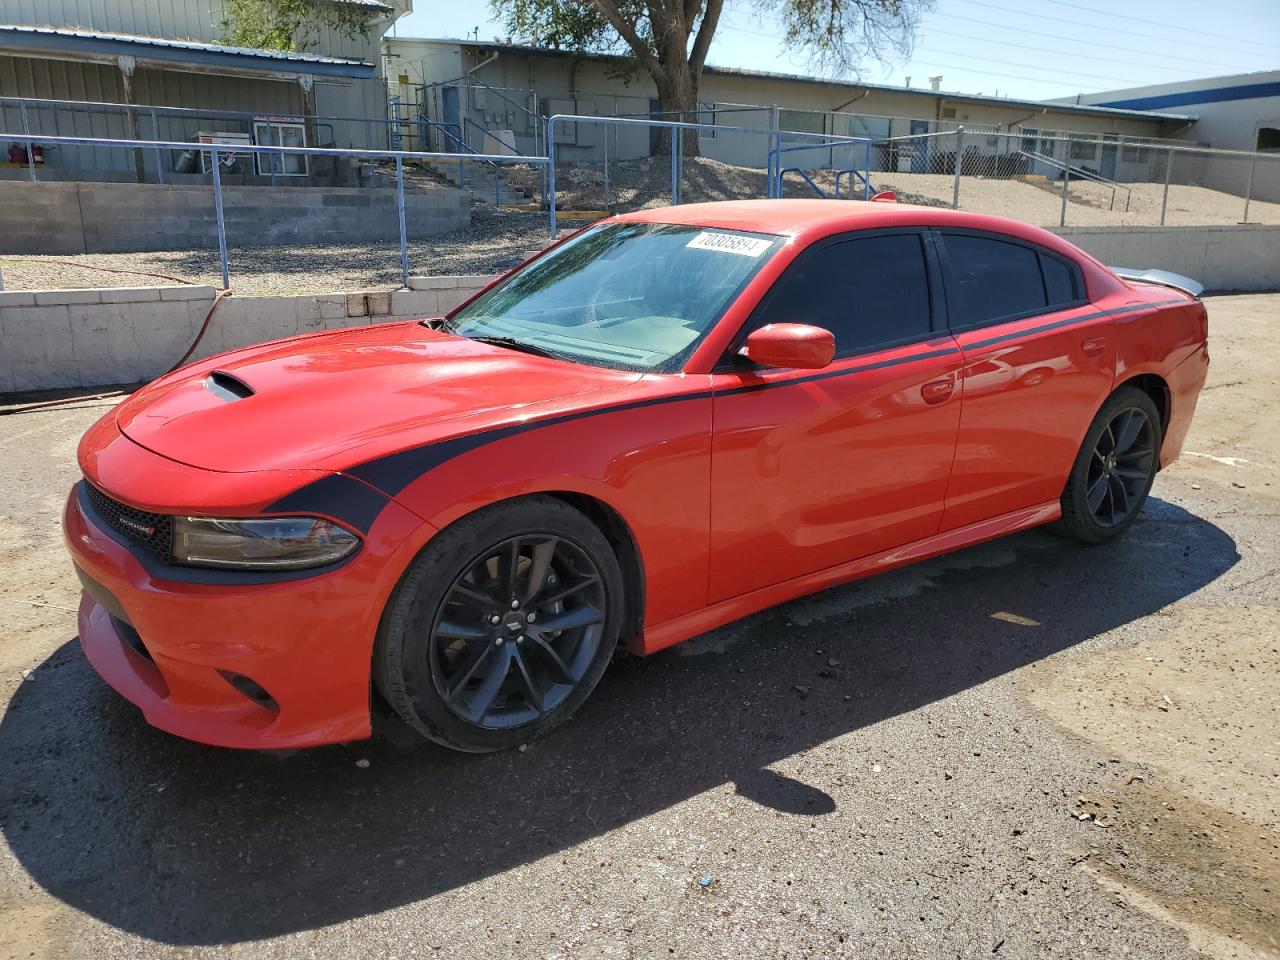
274, 543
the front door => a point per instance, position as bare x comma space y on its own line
811, 469
1108, 168
1039, 359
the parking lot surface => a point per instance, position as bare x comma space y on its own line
1027, 749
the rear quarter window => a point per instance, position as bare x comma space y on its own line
992, 279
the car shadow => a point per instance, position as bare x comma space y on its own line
186, 844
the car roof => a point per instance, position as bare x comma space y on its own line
792, 217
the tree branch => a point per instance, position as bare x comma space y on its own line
627, 31
702, 43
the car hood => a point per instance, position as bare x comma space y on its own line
333, 400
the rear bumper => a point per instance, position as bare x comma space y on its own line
1185, 383
178, 649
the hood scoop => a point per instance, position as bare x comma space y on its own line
228, 387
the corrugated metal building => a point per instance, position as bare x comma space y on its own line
168, 53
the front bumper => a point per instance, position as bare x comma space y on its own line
177, 645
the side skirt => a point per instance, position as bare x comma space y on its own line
717, 615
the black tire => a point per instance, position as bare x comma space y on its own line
1113, 471
478, 685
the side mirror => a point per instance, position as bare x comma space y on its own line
796, 346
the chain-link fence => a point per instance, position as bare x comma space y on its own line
1059, 179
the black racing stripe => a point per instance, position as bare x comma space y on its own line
1070, 321
396, 471
344, 498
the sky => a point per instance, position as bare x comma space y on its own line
1028, 49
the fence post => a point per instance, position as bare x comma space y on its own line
606, 164
1066, 182
31, 154
775, 160
155, 135
1168, 169
955, 189
222, 223
551, 175
866, 180
404, 233
674, 143
1248, 190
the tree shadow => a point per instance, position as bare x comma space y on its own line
193, 845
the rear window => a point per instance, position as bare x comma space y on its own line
992, 279
1059, 281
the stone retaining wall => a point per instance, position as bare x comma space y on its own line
47, 218
86, 338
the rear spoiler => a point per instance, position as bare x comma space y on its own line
1162, 277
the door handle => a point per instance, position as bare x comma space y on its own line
1093, 346
937, 391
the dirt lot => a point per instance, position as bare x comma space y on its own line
1028, 749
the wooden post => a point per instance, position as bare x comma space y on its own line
128, 66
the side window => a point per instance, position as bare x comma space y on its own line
869, 292
1059, 281
992, 279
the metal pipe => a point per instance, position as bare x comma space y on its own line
155, 132
955, 189
674, 147
1168, 169
404, 233
1066, 180
31, 155
1248, 191
551, 174
222, 223
866, 180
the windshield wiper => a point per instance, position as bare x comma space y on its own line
513, 344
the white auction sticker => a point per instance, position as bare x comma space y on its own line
730, 243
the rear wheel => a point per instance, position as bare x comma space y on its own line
502, 627
1114, 470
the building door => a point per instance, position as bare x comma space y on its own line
1108, 169
451, 116
919, 148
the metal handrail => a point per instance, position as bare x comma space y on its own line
807, 179
1082, 174
868, 188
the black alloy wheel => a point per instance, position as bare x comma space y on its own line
502, 626
1120, 468
518, 630
1114, 468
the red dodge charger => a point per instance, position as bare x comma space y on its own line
665, 422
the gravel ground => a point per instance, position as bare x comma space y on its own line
493, 242
1027, 749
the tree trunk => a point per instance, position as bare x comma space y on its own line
678, 100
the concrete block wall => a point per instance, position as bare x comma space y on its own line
1244, 257
86, 338
53, 218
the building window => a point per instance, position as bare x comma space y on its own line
1269, 139
872, 128
707, 114
1083, 150
1135, 153
272, 133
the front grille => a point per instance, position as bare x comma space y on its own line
151, 531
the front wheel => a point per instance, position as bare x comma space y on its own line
502, 627
1114, 470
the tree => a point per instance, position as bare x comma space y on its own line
669, 39
292, 25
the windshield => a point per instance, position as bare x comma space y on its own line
637, 296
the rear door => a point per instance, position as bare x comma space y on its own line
811, 469
1039, 359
